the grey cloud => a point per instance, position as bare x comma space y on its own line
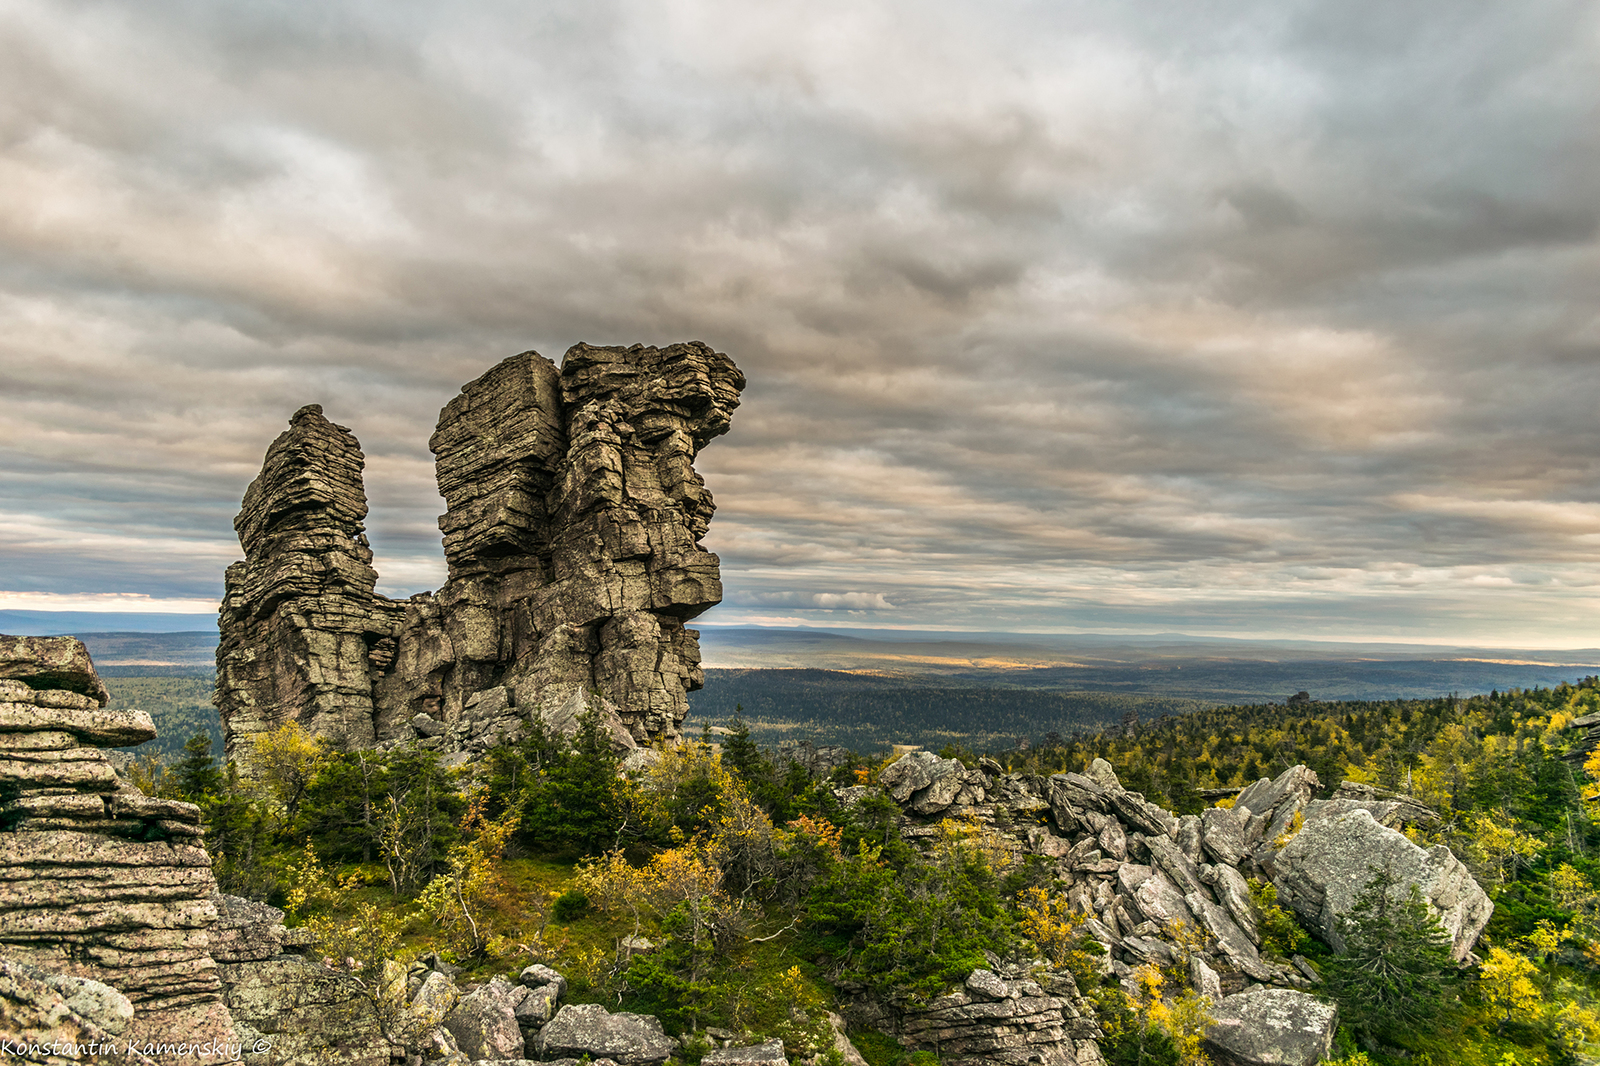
1052, 315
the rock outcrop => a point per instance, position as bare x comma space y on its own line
49, 1018
1167, 890
303, 632
1007, 1015
1328, 864
97, 880
289, 1007
572, 529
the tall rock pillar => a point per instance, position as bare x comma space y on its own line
572, 533
302, 630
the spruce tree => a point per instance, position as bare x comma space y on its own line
1395, 974
196, 774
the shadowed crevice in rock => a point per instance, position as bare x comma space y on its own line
572, 529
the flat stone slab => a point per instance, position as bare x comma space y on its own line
51, 663
768, 1054
1271, 1027
580, 1029
96, 726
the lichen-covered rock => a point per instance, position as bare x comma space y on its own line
39, 1007
484, 1023
301, 624
572, 532
100, 884
539, 975
293, 1011
767, 1054
1154, 889
1271, 1027
48, 712
245, 931
1339, 850
434, 999
589, 1029
1267, 796
61, 664
996, 1018
1392, 809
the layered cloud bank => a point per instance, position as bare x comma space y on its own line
1253, 318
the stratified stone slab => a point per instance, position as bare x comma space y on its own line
51, 663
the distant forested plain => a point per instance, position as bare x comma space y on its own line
868, 712
178, 699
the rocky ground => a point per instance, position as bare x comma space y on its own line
111, 930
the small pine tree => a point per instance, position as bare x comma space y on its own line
1395, 973
196, 776
740, 753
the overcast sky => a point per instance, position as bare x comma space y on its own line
1271, 319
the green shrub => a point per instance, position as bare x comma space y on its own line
569, 905
1280, 932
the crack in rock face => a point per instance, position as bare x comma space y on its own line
572, 533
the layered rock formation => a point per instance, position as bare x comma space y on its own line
303, 633
998, 1016
572, 528
97, 880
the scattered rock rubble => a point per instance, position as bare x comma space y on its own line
100, 885
1002, 1015
572, 533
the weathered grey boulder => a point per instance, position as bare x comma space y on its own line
1231, 940
1271, 1027
1392, 809
1203, 979
37, 1006
580, 1029
484, 1023
537, 1007
768, 1054
1266, 796
1330, 861
246, 931
1103, 774
848, 1053
24, 709
987, 983
300, 1013
565, 719
915, 771
1191, 837
60, 663
435, 999
1222, 833
1233, 892
538, 975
